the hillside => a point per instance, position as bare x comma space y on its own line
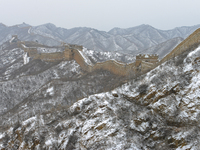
162, 49
19, 80
61, 107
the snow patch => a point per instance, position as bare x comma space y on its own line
86, 59
2, 135
194, 52
29, 30
49, 142
30, 120
48, 50
12, 39
24, 45
50, 91
26, 58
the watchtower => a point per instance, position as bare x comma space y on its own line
150, 58
74, 46
68, 52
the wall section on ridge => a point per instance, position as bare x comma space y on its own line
183, 46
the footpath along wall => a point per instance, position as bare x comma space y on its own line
74, 52
113, 66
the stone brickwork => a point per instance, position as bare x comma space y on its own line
72, 52
146, 58
67, 54
113, 66
50, 57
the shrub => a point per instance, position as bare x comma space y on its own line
17, 125
5, 140
142, 89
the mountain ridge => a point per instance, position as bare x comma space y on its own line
127, 40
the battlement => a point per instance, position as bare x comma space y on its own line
146, 61
14, 39
73, 46
15, 36
147, 56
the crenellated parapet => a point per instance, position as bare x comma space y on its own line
147, 56
69, 50
146, 60
74, 46
74, 52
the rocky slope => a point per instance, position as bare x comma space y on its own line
130, 40
67, 108
18, 81
162, 49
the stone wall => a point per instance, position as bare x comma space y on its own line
68, 54
51, 57
32, 52
113, 66
146, 66
183, 46
73, 46
72, 52
80, 60
146, 58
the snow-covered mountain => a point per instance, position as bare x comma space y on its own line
162, 49
24, 34
131, 40
126, 40
56, 105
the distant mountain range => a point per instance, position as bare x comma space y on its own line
139, 39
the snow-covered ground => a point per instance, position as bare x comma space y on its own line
158, 110
85, 58
49, 50
104, 56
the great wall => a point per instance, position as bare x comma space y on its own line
143, 63
71, 52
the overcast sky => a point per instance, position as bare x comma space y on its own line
101, 14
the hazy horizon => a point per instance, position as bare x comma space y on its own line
102, 15
94, 28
